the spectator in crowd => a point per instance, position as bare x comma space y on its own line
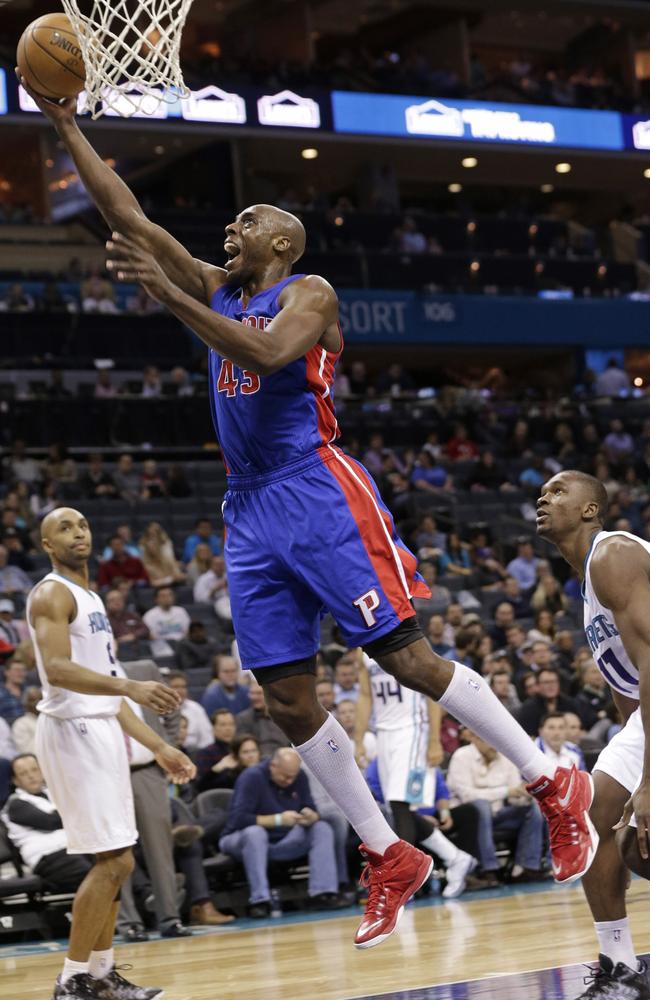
141, 304
98, 294
244, 752
548, 596
10, 629
212, 588
35, 828
23, 730
203, 534
524, 566
20, 467
257, 721
126, 478
151, 383
429, 540
428, 476
501, 684
439, 595
487, 474
575, 733
7, 753
618, 444
152, 481
613, 381
481, 775
207, 758
166, 622
594, 696
180, 382
436, 637
200, 563
199, 728
121, 566
96, 483
460, 447
124, 532
13, 579
196, 650
547, 700
554, 744
126, 623
178, 486
325, 694
537, 654
273, 818
346, 677
158, 556
105, 388
17, 300
408, 239
12, 690
455, 561
59, 466
373, 458
544, 628
504, 617
346, 713
226, 691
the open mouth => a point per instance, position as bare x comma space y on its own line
232, 251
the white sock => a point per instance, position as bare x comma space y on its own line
329, 756
101, 963
615, 941
71, 969
438, 843
473, 702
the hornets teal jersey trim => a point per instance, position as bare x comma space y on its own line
263, 422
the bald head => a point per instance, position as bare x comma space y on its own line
53, 520
593, 491
288, 232
65, 534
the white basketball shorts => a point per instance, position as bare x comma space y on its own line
401, 753
622, 758
86, 769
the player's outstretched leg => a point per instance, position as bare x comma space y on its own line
395, 870
564, 794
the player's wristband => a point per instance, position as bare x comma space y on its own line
278, 819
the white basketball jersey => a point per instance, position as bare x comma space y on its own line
394, 706
91, 641
600, 628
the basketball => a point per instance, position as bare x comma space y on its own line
49, 57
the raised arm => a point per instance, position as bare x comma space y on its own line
620, 576
51, 611
120, 207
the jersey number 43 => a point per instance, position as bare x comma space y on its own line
229, 383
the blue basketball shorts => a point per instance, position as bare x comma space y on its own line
306, 538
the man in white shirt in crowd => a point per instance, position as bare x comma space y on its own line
166, 621
24, 728
552, 741
212, 588
199, 727
481, 775
35, 828
346, 678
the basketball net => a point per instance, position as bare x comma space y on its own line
130, 49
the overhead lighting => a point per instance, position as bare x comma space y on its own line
475, 266
309, 154
646, 172
159, 150
455, 188
638, 381
469, 162
547, 188
562, 168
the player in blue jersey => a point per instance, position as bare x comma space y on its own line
306, 529
615, 571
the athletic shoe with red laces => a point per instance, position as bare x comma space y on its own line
565, 801
391, 878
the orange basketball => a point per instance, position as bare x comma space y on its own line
49, 57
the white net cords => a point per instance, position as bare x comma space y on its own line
131, 52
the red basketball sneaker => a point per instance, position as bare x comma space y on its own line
391, 878
565, 801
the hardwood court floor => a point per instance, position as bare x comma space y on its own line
484, 935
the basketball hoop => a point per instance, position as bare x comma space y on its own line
130, 50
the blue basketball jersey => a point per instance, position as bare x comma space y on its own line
263, 422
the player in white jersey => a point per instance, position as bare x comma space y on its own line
615, 570
408, 748
80, 744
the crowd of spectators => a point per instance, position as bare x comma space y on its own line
499, 603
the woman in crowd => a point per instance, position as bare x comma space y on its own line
200, 563
158, 557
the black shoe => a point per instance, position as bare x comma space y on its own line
115, 987
326, 901
259, 910
134, 934
79, 987
615, 981
175, 931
